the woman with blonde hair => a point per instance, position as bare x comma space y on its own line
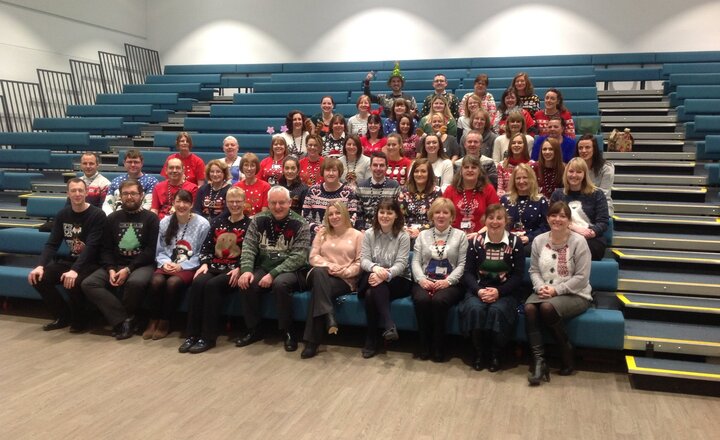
525, 206
335, 261
210, 198
517, 154
439, 105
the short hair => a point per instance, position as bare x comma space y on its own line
280, 138
130, 182
560, 100
578, 164
389, 204
496, 207
317, 139
233, 138
355, 138
186, 135
474, 133
529, 89
482, 177
220, 164
361, 98
337, 118
133, 153
332, 162
93, 154
482, 78
558, 118
235, 191
485, 114
430, 185
598, 161
342, 209
280, 189
395, 103
380, 155
173, 159
558, 207
75, 180
532, 183
440, 74
442, 203
251, 158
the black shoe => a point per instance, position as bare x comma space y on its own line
201, 345
309, 351
189, 342
478, 364
248, 338
438, 355
290, 343
125, 329
369, 351
78, 327
494, 362
55, 325
391, 334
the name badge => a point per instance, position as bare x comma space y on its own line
441, 270
466, 225
415, 226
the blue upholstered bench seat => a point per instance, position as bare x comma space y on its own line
242, 82
701, 67
42, 140
713, 170
623, 58
628, 74
256, 143
19, 181
275, 110
702, 106
708, 149
45, 206
290, 98
24, 158
233, 125
92, 125
222, 68
204, 79
338, 86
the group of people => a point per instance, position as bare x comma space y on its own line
336, 207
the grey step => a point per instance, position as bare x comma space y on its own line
664, 136
710, 259
653, 105
648, 156
673, 368
637, 125
56, 187
651, 240
638, 119
625, 94
670, 302
669, 283
21, 223
647, 179
692, 339
642, 206
654, 167
689, 220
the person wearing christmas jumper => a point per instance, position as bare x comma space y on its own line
193, 166
480, 86
398, 166
373, 189
322, 119
440, 84
310, 165
133, 165
473, 147
396, 82
525, 93
271, 167
177, 256
480, 122
515, 125
551, 167
255, 189
217, 275
439, 127
163, 195
554, 105
274, 259
81, 226
334, 141
127, 259
417, 196
399, 108
374, 140
298, 127
430, 147
509, 104
291, 180
526, 207
210, 198
440, 106
320, 196
517, 153
406, 129
97, 184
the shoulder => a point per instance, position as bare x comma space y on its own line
165, 222
558, 194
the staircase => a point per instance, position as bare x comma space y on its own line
667, 242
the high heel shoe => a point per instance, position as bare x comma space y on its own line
331, 324
567, 353
540, 369
391, 334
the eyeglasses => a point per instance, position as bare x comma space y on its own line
129, 194
235, 202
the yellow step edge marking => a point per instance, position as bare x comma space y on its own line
633, 366
645, 220
618, 253
672, 341
668, 282
651, 257
668, 239
627, 301
623, 298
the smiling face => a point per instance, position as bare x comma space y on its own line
331, 175
379, 167
230, 147
522, 182
278, 147
520, 83
395, 84
88, 164
279, 205
551, 100
338, 128
554, 128
351, 148
235, 204
174, 171
437, 122
373, 127
399, 108
183, 146
496, 221
404, 126
297, 123
386, 218
517, 146
548, 152
133, 166
478, 122
575, 178
558, 222
131, 197
473, 105
432, 145
326, 105
514, 126
392, 147
76, 192
181, 206
290, 170
216, 174
364, 104
438, 105
480, 88
420, 174
249, 169
510, 100
335, 217
585, 150
472, 144
470, 173
441, 218
439, 83
313, 148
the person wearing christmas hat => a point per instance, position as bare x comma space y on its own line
396, 82
127, 259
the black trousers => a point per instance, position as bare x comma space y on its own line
323, 288
74, 310
98, 291
206, 301
283, 287
432, 311
378, 299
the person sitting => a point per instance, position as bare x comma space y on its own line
255, 189
232, 160
373, 189
588, 206
385, 273
335, 139
480, 122
471, 193
473, 147
551, 167
81, 226
271, 167
560, 275
555, 128
177, 256
356, 166
480, 86
431, 148
525, 93
298, 127
602, 172
127, 259
163, 195
515, 125
133, 164
439, 127
440, 84
321, 195
192, 165
217, 275
399, 108
508, 104
517, 154
210, 199
554, 105
440, 105
374, 140
323, 124
406, 129
526, 207
357, 124
310, 165
97, 184
396, 82
397, 165
291, 180
494, 271
335, 261
472, 104
438, 263
417, 197
274, 259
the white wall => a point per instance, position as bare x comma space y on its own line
47, 33
238, 31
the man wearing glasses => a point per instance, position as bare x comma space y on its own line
440, 84
127, 260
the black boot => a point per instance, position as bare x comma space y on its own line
495, 353
371, 342
566, 349
424, 344
539, 367
477, 341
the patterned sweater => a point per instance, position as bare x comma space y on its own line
223, 245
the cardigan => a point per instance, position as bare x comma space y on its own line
604, 180
454, 247
343, 250
566, 267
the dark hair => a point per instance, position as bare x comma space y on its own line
389, 204
598, 161
559, 206
482, 78
330, 98
430, 185
412, 123
130, 182
355, 138
397, 101
379, 154
174, 226
482, 177
317, 139
289, 118
75, 180
378, 120
529, 89
186, 135
501, 106
560, 101
557, 160
133, 153
337, 118
93, 154
558, 118
496, 207
290, 158
441, 149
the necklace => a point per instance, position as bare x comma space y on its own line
521, 205
441, 251
210, 201
276, 229
467, 209
294, 148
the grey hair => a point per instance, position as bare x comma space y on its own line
280, 189
229, 138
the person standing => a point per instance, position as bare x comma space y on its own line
163, 195
133, 165
440, 84
97, 184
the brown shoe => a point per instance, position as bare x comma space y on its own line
162, 330
150, 330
